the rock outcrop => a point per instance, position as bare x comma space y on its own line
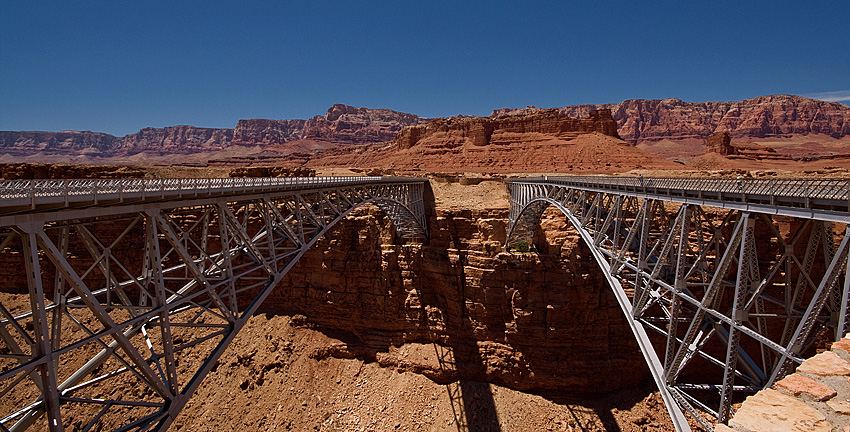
720, 143
479, 130
272, 172
264, 132
26, 171
642, 120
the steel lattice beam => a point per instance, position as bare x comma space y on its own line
125, 288
736, 309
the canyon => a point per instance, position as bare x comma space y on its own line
371, 332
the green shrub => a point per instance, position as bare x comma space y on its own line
522, 246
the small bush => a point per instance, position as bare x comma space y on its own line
522, 246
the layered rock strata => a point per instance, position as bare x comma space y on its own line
479, 130
342, 125
16, 171
642, 120
27, 143
545, 141
721, 143
174, 140
815, 398
539, 322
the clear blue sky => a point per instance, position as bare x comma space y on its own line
118, 66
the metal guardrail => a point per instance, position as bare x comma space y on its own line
807, 193
14, 194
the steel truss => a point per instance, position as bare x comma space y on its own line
722, 302
130, 306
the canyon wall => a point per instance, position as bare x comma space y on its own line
264, 132
641, 120
535, 322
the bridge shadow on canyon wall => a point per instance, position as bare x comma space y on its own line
472, 402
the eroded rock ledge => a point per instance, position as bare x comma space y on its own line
542, 322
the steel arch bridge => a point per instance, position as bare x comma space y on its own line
136, 287
725, 283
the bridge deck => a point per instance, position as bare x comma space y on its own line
35, 196
821, 199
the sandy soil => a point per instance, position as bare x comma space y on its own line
274, 377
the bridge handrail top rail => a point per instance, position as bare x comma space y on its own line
638, 177
18, 196
14, 189
834, 193
194, 179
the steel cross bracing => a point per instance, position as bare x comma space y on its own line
131, 298
725, 284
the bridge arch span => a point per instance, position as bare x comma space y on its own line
522, 230
150, 281
683, 260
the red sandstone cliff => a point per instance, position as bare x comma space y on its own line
641, 120
519, 320
27, 143
546, 140
263, 131
636, 121
174, 140
342, 125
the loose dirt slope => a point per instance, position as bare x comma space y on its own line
506, 152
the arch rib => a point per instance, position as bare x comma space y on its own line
703, 279
525, 230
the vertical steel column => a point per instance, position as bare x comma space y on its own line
741, 286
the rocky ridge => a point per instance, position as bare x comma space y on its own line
647, 120
543, 141
342, 125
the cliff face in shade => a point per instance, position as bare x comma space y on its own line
642, 120
519, 320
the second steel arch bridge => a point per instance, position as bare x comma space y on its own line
725, 283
